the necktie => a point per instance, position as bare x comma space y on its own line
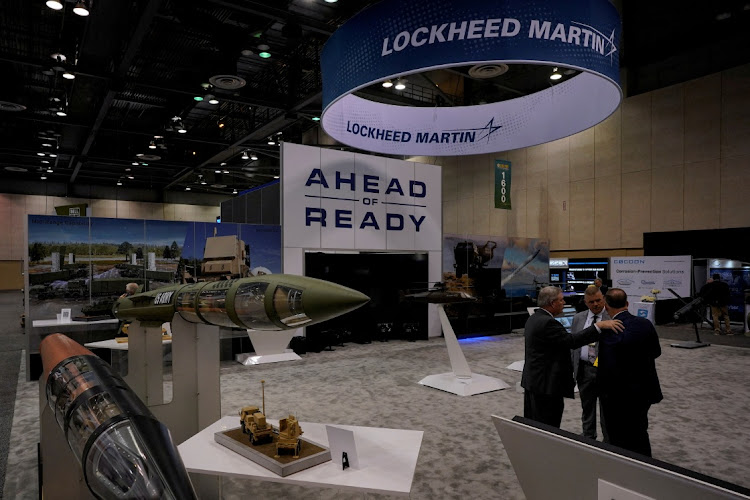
592, 347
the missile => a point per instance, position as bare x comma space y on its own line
268, 302
124, 451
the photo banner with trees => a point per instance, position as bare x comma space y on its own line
75, 262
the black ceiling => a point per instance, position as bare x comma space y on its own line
140, 63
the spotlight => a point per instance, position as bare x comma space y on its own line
211, 99
44, 177
264, 55
40, 154
181, 130
245, 156
54, 4
61, 112
387, 84
45, 162
221, 124
203, 182
131, 177
68, 75
254, 157
275, 176
119, 183
234, 191
127, 170
187, 188
139, 155
222, 164
316, 118
271, 142
152, 145
198, 98
81, 8
331, 1
555, 75
46, 145
225, 171
217, 171
49, 170
52, 155
246, 52
400, 85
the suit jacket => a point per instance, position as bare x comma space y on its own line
578, 321
547, 367
626, 361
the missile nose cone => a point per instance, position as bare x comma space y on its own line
323, 300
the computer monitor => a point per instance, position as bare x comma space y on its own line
553, 463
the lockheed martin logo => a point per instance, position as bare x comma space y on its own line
483, 132
609, 41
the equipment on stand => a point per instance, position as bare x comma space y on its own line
690, 311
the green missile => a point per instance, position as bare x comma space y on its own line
269, 302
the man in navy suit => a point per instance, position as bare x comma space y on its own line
627, 377
548, 371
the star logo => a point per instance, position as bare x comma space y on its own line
484, 132
609, 41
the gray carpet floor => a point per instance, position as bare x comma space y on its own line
702, 424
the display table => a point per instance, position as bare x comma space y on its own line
387, 458
119, 356
72, 325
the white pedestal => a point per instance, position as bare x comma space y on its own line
475, 384
643, 310
270, 347
516, 366
460, 381
248, 359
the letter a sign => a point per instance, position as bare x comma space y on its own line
502, 184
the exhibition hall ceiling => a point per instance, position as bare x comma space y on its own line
175, 94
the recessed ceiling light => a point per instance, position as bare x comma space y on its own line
49, 170
45, 161
139, 155
131, 177
187, 188
217, 171
40, 154
127, 170
225, 171
275, 176
182, 131
135, 163
44, 177
61, 113
52, 155
47, 145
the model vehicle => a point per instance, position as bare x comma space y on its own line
289, 433
254, 424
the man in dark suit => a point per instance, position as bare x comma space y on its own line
548, 372
627, 375
584, 371
601, 286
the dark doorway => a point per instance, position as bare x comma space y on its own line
383, 277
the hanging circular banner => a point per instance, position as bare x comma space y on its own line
396, 37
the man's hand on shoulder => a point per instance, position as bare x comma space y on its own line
611, 324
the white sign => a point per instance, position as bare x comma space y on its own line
558, 262
342, 441
65, 316
341, 200
638, 276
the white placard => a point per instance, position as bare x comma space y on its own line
342, 441
65, 316
639, 275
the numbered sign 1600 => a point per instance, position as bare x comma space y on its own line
502, 184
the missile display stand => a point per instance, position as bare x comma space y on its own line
270, 347
461, 380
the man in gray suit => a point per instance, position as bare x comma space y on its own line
583, 359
